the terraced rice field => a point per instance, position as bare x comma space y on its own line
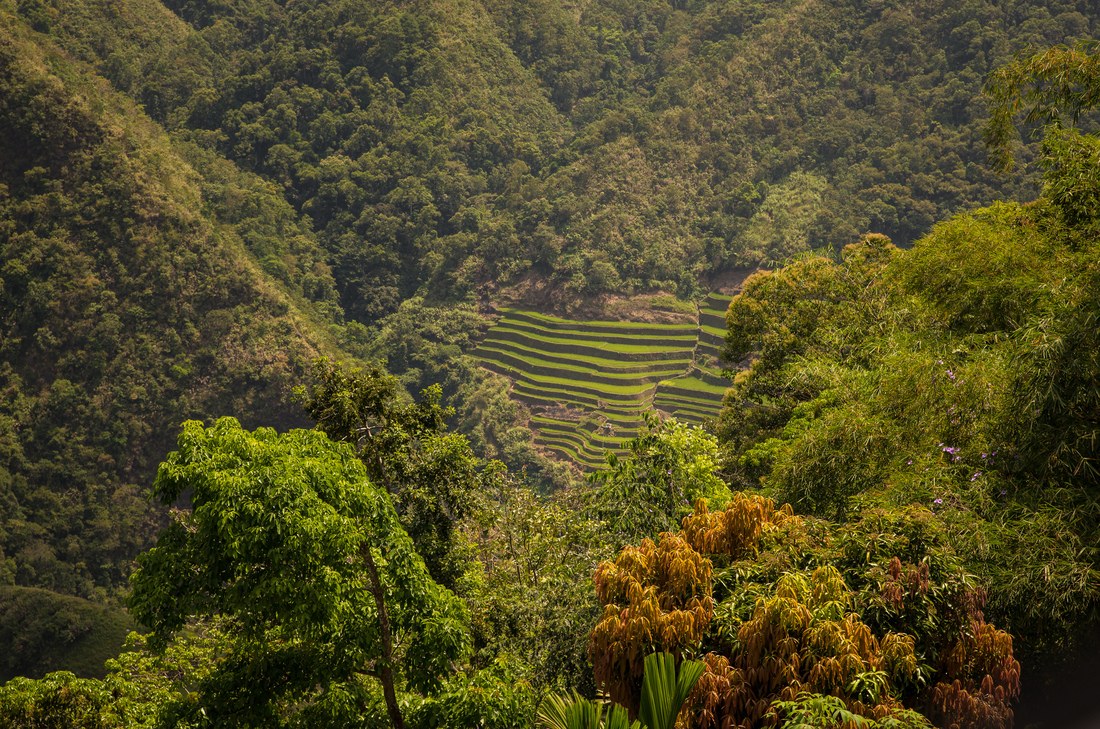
712, 328
587, 383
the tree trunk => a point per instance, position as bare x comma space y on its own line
386, 672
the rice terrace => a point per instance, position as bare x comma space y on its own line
588, 383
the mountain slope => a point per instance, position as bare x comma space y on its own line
125, 306
334, 158
441, 147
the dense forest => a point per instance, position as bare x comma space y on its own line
257, 242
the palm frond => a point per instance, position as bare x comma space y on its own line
664, 690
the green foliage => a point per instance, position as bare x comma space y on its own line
58, 701
608, 147
1071, 160
987, 271
335, 159
157, 688
665, 689
961, 375
382, 161
533, 601
815, 474
664, 471
421, 343
781, 225
1048, 86
576, 712
430, 474
814, 711
280, 529
494, 698
126, 307
141, 689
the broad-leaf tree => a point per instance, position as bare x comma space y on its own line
786, 609
287, 538
651, 487
430, 474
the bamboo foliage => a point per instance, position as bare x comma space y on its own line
1043, 87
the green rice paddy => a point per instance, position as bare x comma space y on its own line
588, 383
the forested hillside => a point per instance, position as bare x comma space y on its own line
130, 296
261, 215
604, 146
342, 157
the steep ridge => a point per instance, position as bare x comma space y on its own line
126, 306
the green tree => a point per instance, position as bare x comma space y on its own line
58, 701
537, 556
288, 539
1044, 88
666, 469
430, 474
878, 614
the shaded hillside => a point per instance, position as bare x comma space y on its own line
129, 300
43, 631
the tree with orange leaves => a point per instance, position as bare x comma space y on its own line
760, 595
656, 597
